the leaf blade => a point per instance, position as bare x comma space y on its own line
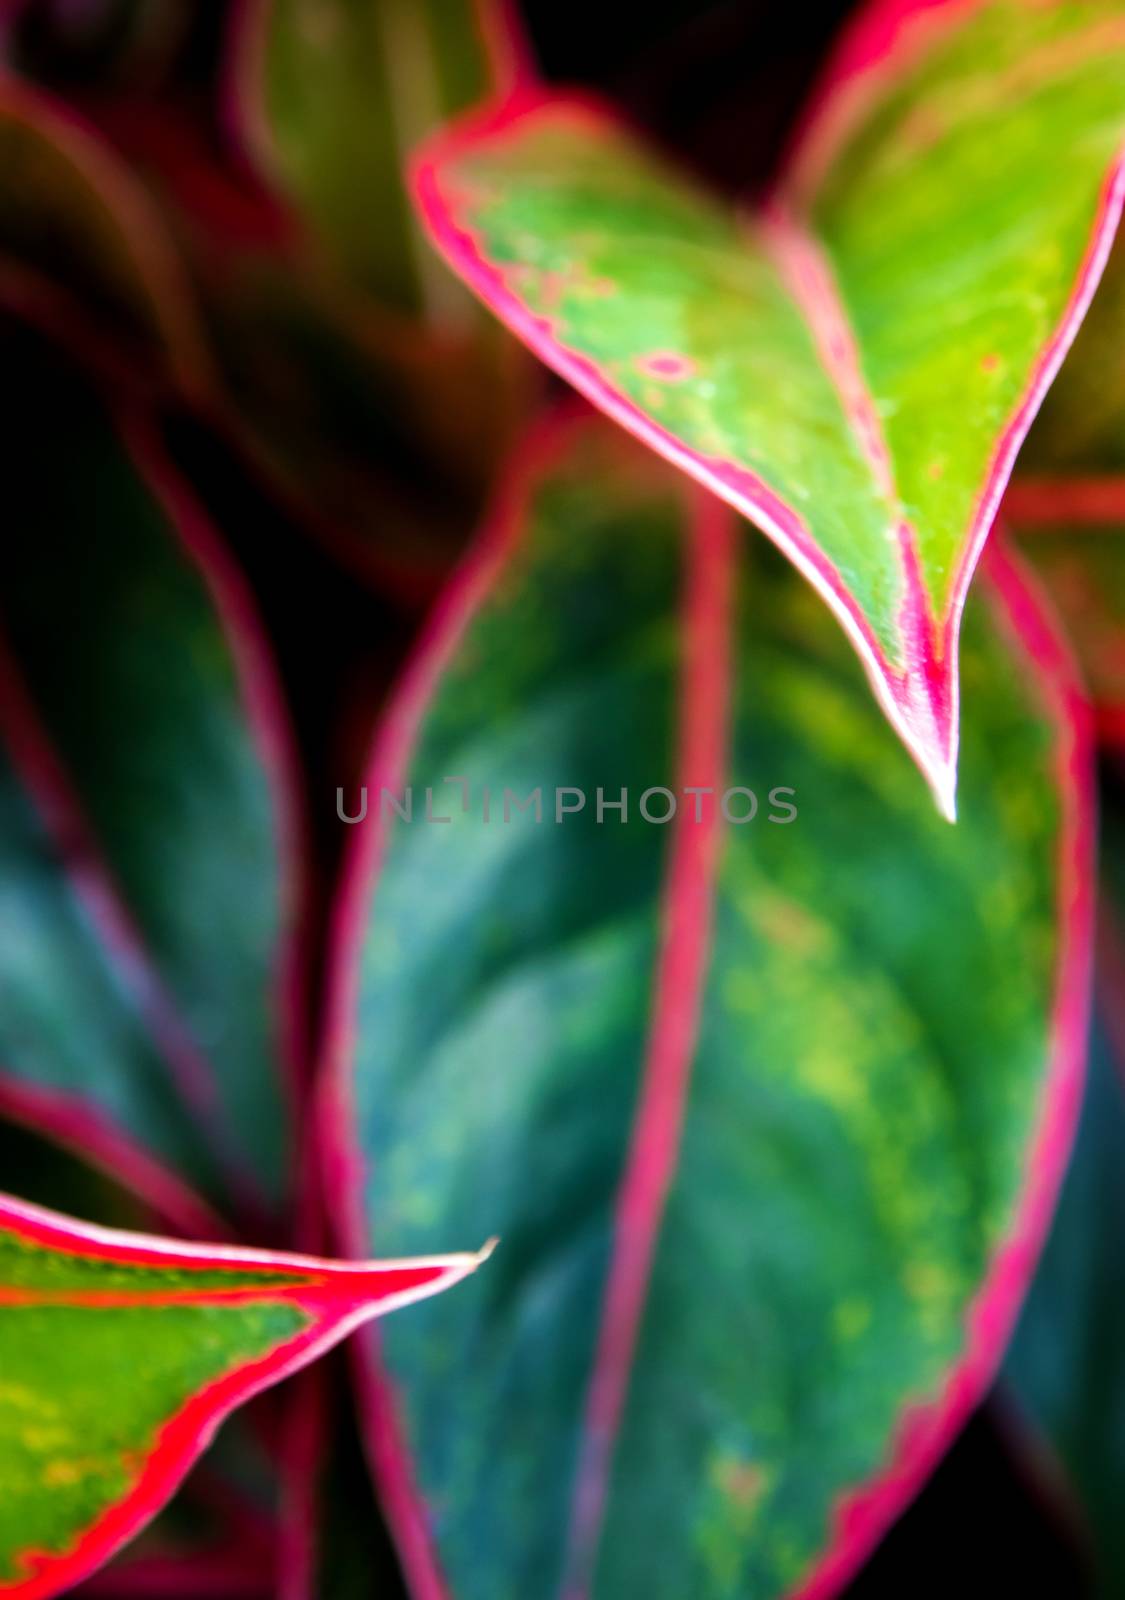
624, 279
581, 690
150, 738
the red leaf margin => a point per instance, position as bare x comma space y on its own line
236, 1563
927, 1427
338, 1296
879, 42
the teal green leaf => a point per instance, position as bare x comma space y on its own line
147, 963
1066, 1366
752, 1104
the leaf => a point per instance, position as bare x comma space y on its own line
364, 429
158, 982
220, 1524
334, 1544
78, 1061
854, 367
769, 1115
48, 1171
81, 248
330, 93
361, 365
1083, 567
122, 1353
217, 1536
1066, 1366
156, 261
373, 441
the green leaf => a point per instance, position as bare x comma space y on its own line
331, 93
148, 963
221, 1522
758, 1108
855, 366
122, 1353
354, 372
78, 1060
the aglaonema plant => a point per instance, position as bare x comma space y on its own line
635, 937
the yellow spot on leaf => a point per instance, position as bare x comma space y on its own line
851, 1317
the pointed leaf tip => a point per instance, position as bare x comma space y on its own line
126, 1351
900, 295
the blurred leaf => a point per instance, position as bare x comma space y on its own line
759, 1111
81, 247
332, 94
334, 1545
122, 1353
1066, 1364
148, 959
854, 369
372, 434
387, 356
44, 1171
376, 441
78, 1061
157, 254
1084, 570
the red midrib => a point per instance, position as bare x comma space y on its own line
805, 271
678, 987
